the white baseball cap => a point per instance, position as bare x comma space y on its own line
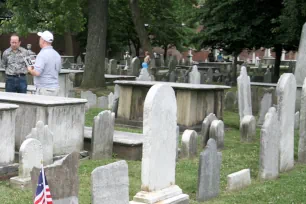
46, 35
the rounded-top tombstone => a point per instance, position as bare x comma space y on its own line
159, 146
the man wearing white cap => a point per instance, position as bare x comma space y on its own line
47, 67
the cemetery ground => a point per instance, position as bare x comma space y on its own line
288, 188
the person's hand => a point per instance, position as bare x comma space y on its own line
30, 68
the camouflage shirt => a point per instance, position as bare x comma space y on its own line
13, 62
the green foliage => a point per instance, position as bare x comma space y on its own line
237, 24
291, 22
60, 16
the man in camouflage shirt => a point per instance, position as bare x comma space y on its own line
15, 67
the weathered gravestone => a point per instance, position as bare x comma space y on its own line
229, 101
300, 71
42, 133
302, 140
102, 102
206, 127
110, 100
30, 155
248, 128
210, 75
194, 75
62, 178
209, 172
144, 75
116, 99
189, 144
216, 132
269, 146
297, 120
268, 76
113, 67
239, 180
172, 77
7, 132
135, 67
90, 97
286, 95
244, 94
102, 135
159, 149
110, 184
265, 103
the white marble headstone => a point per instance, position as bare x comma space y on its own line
195, 76
42, 133
244, 93
286, 95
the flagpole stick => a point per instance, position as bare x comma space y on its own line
44, 182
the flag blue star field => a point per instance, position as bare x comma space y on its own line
43, 195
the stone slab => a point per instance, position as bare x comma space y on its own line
239, 180
39, 99
173, 85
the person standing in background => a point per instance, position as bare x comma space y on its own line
47, 67
15, 66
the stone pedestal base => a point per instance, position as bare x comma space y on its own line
170, 195
21, 183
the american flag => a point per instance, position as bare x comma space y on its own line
43, 195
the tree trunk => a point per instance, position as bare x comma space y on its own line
278, 52
68, 44
234, 79
139, 27
96, 44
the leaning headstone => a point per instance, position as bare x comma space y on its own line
7, 132
209, 172
112, 67
300, 71
239, 180
102, 102
297, 120
265, 103
302, 140
189, 144
110, 184
110, 100
159, 148
135, 66
268, 76
30, 155
206, 127
102, 135
91, 98
286, 95
229, 101
269, 148
194, 75
43, 134
244, 94
144, 75
216, 132
248, 128
62, 178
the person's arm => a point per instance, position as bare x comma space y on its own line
38, 67
4, 60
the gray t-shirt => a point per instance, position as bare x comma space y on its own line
48, 64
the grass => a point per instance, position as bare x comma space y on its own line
288, 188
